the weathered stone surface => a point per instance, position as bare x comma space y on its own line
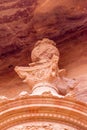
42, 113
43, 75
23, 22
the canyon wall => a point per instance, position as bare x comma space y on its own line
23, 22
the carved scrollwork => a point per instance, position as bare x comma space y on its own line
34, 127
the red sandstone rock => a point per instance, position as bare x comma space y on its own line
23, 22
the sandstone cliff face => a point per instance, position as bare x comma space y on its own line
23, 22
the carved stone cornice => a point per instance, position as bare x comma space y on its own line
24, 110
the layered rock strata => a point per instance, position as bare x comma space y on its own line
23, 22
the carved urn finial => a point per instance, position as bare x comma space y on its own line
43, 75
44, 50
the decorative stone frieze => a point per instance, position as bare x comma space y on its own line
22, 113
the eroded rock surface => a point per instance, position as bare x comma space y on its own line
23, 22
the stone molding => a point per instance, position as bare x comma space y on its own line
26, 109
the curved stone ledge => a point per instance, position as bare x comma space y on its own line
43, 109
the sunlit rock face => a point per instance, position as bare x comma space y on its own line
23, 22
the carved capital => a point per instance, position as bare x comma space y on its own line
44, 70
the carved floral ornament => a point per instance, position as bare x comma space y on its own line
42, 126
